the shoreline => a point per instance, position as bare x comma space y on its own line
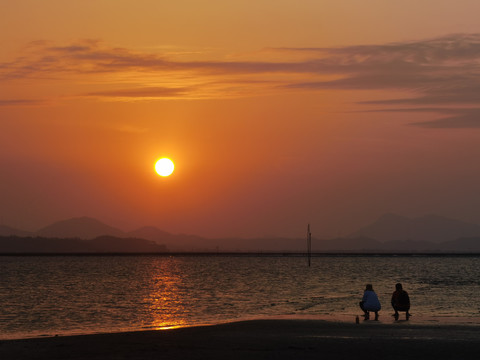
261, 339
345, 319
385, 319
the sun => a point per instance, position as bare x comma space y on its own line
164, 167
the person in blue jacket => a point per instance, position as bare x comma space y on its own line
370, 302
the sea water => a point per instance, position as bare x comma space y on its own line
49, 295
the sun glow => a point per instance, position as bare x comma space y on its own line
164, 167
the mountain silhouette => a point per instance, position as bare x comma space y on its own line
431, 228
81, 227
463, 244
360, 244
101, 244
130, 245
10, 231
368, 245
390, 233
151, 233
178, 242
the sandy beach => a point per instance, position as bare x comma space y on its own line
262, 339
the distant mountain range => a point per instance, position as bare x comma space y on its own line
432, 228
83, 228
101, 244
368, 245
390, 233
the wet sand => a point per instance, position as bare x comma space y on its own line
262, 339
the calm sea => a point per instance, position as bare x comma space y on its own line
48, 295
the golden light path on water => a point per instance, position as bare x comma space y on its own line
166, 303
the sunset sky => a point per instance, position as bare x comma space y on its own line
276, 113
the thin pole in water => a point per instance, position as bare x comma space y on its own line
309, 244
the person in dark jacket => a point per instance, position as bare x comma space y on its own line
400, 301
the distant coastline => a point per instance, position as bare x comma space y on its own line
244, 254
389, 234
99, 245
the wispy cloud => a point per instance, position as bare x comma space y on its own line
461, 118
144, 92
21, 102
442, 73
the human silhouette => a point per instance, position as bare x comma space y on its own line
370, 302
400, 301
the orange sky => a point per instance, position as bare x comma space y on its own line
276, 113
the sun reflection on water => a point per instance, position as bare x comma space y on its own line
166, 300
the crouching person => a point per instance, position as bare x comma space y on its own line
370, 302
400, 301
